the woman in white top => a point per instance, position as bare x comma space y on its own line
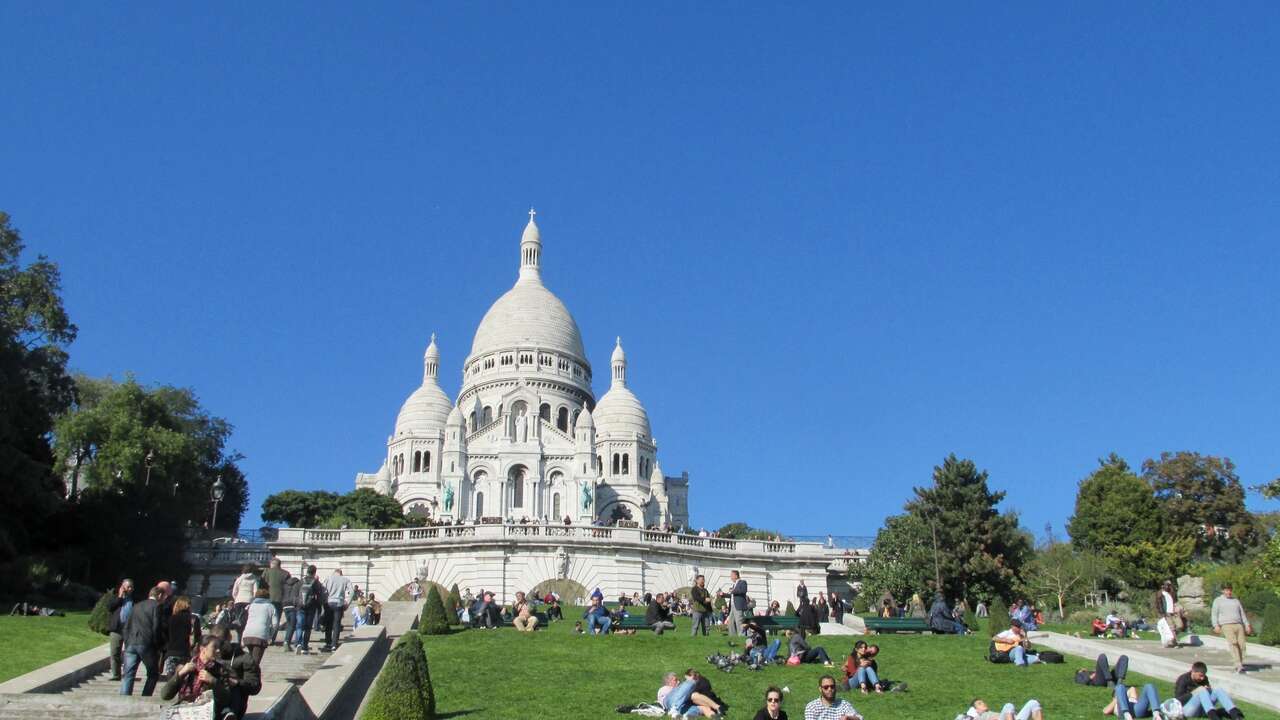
262, 619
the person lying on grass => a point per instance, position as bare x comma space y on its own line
861, 670
682, 697
1130, 703
1102, 675
979, 710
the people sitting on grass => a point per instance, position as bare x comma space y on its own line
1116, 624
31, 609
597, 617
554, 611
772, 709
680, 698
861, 670
523, 618
1097, 628
1102, 673
1198, 697
1013, 643
1130, 703
800, 649
827, 706
940, 618
979, 710
658, 615
758, 645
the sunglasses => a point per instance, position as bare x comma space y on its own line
773, 699
827, 687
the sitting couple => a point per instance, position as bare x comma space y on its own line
689, 696
861, 670
1192, 690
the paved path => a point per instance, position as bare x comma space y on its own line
1260, 685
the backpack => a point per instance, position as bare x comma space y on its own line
1049, 656
997, 656
314, 594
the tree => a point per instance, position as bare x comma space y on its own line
1201, 497
1271, 490
100, 617
1058, 570
34, 388
403, 689
453, 604
1270, 632
1145, 564
901, 561
1114, 507
368, 508
300, 509
743, 531
981, 550
142, 461
435, 620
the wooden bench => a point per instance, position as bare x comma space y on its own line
774, 623
635, 621
881, 625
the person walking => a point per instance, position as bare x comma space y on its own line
338, 590
310, 601
1229, 620
701, 603
261, 621
275, 577
141, 638
120, 607
290, 605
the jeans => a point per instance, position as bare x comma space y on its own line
302, 628
818, 654
1147, 702
276, 629
1103, 674
767, 654
1024, 714
599, 621
1202, 702
134, 654
1018, 655
663, 625
700, 621
678, 699
116, 648
864, 675
290, 619
333, 630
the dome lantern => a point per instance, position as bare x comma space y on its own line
531, 251
619, 362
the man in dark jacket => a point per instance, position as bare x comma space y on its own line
119, 609
657, 616
1198, 697
275, 577
701, 603
311, 598
940, 617
141, 642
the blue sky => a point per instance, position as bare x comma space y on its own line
839, 241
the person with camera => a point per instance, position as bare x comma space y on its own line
193, 678
236, 676
119, 608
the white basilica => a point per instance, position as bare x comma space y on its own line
527, 437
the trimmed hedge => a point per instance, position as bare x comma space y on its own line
791, 609
435, 619
101, 617
453, 604
1270, 632
403, 689
998, 617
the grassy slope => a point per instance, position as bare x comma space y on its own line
554, 674
27, 643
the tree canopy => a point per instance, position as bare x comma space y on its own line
1114, 507
362, 508
743, 531
1201, 497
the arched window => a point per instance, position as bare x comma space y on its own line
544, 412
617, 459
487, 416
626, 465
516, 481
426, 461
574, 419
473, 420
417, 461
479, 505
562, 419
555, 506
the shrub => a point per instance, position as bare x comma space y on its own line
1270, 632
453, 604
101, 616
791, 609
403, 689
997, 617
435, 619
860, 604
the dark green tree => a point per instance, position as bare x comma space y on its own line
368, 508
400, 693
1269, 634
1201, 497
980, 550
435, 619
791, 609
1114, 507
34, 388
901, 561
453, 604
743, 531
100, 617
997, 617
299, 508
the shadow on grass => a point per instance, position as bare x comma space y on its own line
456, 713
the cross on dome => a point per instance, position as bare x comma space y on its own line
532, 212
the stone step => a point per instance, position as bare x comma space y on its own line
33, 706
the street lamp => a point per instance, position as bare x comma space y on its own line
151, 458
218, 492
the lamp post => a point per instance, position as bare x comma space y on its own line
149, 460
218, 491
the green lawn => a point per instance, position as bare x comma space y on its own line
555, 674
27, 643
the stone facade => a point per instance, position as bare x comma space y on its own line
526, 436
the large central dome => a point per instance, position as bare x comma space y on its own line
529, 315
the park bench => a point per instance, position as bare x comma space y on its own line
775, 623
635, 622
543, 621
881, 625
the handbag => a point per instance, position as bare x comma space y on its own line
1172, 709
793, 660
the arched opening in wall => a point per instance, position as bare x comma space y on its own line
417, 461
473, 420
555, 506
626, 464
486, 415
544, 412
519, 408
426, 461
617, 464
402, 593
479, 505
515, 481
562, 419
571, 592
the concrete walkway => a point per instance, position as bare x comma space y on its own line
1260, 685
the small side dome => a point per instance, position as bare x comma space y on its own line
585, 421
382, 481
619, 414
455, 417
425, 412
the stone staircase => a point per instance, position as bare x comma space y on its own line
99, 698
